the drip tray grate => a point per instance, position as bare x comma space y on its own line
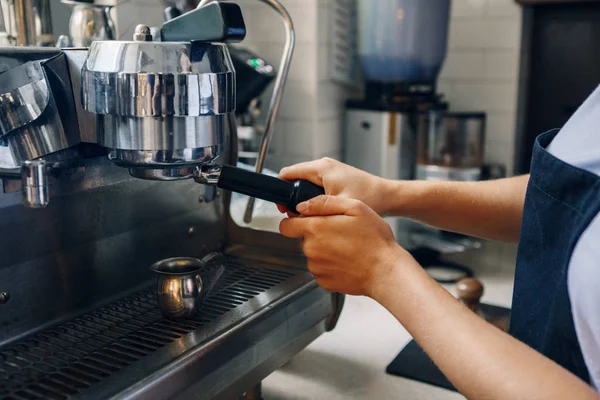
61, 362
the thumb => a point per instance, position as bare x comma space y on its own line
330, 205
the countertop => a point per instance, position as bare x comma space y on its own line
350, 362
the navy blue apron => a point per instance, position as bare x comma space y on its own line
561, 202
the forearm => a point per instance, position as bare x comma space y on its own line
490, 210
479, 359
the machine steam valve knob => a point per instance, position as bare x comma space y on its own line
142, 33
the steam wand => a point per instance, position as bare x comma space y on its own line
284, 69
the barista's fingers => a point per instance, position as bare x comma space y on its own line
331, 205
295, 228
284, 210
311, 171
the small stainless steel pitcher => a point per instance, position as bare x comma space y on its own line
181, 288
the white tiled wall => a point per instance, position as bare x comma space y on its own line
481, 74
481, 70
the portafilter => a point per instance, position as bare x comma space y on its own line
164, 108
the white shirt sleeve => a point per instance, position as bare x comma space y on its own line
578, 142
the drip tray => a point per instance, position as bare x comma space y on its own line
113, 350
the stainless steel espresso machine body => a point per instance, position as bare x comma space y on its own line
162, 117
78, 305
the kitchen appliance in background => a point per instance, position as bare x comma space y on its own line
89, 22
26, 23
450, 146
78, 304
402, 45
383, 142
402, 128
43, 23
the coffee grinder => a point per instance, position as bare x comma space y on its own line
402, 47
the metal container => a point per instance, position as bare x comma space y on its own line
30, 121
181, 119
450, 146
403, 40
181, 287
89, 22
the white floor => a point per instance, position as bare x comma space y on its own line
350, 362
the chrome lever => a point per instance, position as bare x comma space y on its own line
284, 69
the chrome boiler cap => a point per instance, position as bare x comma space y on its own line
158, 79
165, 107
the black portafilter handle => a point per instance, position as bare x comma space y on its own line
264, 187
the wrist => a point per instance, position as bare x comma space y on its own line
403, 284
390, 270
387, 194
398, 197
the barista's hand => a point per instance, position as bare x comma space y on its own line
340, 179
350, 249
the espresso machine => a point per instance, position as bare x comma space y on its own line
101, 153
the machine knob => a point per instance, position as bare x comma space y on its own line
142, 33
470, 291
